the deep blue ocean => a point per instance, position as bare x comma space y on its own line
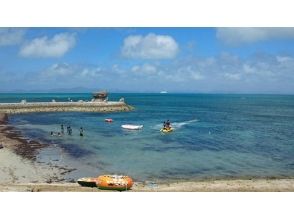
215, 136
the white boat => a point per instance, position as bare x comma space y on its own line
163, 92
132, 127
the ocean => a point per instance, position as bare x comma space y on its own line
215, 136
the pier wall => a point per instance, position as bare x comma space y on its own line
30, 107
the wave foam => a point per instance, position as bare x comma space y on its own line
176, 125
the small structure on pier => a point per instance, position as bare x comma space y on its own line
101, 96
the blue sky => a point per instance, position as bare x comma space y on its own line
209, 60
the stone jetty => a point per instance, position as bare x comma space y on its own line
29, 107
99, 103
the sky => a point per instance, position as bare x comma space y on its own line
185, 60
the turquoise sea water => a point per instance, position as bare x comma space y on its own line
215, 136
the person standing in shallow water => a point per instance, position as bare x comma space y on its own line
62, 129
167, 124
68, 130
81, 131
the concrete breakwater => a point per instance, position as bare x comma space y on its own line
30, 107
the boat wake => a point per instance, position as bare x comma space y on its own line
176, 125
181, 124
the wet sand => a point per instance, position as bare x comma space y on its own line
18, 159
255, 185
19, 171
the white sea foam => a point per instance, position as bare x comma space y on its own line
181, 124
175, 125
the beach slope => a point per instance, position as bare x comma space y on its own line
254, 185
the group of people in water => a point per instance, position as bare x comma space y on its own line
68, 131
166, 125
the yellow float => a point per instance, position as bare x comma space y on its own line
166, 130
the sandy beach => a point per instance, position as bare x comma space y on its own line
17, 159
19, 171
255, 185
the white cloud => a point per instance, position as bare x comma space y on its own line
284, 59
189, 73
248, 69
91, 72
230, 73
223, 73
11, 36
117, 69
151, 46
57, 46
236, 36
232, 76
196, 76
145, 69
60, 70
135, 69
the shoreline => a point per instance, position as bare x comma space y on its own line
18, 158
19, 171
253, 185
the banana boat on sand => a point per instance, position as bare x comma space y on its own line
109, 182
114, 182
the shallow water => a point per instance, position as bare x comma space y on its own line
214, 136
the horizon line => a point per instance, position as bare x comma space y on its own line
150, 92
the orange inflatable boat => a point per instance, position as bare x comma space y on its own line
114, 182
